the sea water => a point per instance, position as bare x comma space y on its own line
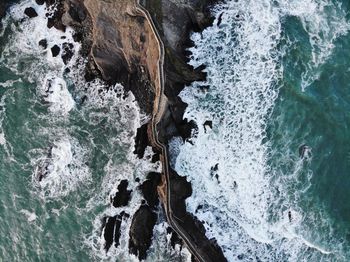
271, 177
65, 145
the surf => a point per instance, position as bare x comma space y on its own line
233, 184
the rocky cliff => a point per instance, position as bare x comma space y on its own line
121, 46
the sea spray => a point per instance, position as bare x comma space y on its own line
72, 145
233, 185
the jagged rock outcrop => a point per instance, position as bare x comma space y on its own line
121, 47
175, 20
141, 231
124, 48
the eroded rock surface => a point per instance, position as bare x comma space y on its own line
125, 48
141, 231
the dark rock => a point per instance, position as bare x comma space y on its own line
304, 151
68, 52
122, 197
43, 43
290, 216
30, 12
111, 231
209, 124
55, 50
149, 189
56, 19
40, 2
175, 240
215, 168
76, 12
155, 157
141, 141
141, 231
220, 19
2, 12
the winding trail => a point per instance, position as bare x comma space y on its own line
159, 108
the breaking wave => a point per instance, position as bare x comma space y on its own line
236, 193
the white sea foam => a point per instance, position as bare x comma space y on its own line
31, 217
238, 202
62, 169
38, 65
57, 94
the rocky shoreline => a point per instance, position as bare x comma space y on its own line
120, 47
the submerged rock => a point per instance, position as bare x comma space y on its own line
209, 124
43, 43
30, 12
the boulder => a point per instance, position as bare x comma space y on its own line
30, 12
55, 50
122, 197
40, 2
141, 231
43, 43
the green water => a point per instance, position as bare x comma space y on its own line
319, 117
86, 144
59, 218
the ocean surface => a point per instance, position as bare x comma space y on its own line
65, 145
271, 178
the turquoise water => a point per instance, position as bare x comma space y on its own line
65, 145
278, 77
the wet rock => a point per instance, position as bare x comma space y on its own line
141, 231
55, 50
174, 239
43, 43
40, 2
141, 141
180, 190
68, 52
209, 124
77, 12
216, 167
220, 19
56, 19
30, 12
155, 157
111, 233
122, 197
149, 189
304, 151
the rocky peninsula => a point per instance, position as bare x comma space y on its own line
143, 46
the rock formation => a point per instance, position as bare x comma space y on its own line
121, 46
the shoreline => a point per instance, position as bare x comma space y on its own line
155, 72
